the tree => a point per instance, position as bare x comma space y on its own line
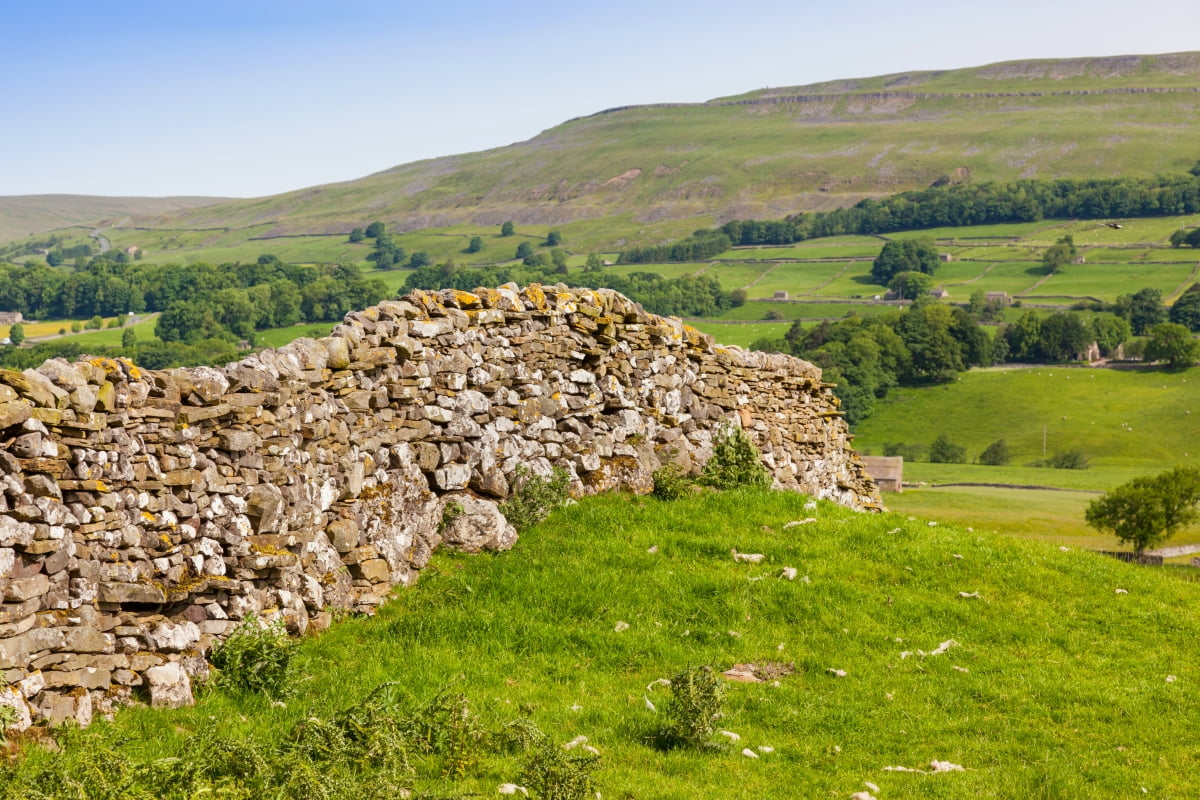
419, 259
911, 285
524, 250
357, 235
1186, 310
594, 263
996, 454
553, 239
128, 339
737, 297
944, 451
16, 334
1110, 332
1172, 343
1059, 254
906, 255
558, 257
508, 229
1143, 309
54, 258
1148, 510
475, 245
375, 230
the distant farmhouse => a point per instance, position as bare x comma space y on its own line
11, 318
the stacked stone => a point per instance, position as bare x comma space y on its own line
144, 513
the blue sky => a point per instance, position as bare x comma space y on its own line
255, 97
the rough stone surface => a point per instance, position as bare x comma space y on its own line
145, 513
170, 686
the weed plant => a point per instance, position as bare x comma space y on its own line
257, 657
535, 497
735, 461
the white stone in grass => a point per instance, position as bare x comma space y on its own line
766, 749
659, 682
931, 523
748, 753
943, 647
730, 735
649, 705
966, 595
863, 796
945, 766
734, 634
894, 531
576, 707
1171, 679
871, 786
960, 669
652, 550
811, 505
1064, 549
970, 529
578, 740
1122, 591
798, 522
900, 769
806, 579
779, 647
621, 625
958, 555
789, 573
591, 750
747, 558
512, 788
837, 673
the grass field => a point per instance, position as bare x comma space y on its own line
743, 333
1053, 684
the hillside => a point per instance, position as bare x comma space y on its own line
775, 152
26, 215
1063, 674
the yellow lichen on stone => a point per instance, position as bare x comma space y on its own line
465, 299
534, 294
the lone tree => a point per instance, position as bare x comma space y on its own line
16, 334
1148, 510
1172, 343
1059, 254
508, 229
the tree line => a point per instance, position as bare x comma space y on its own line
197, 301
952, 205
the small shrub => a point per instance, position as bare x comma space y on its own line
534, 497
735, 461
8, 716
944, 451
257, 658
996, 454
1068, 459
554, 774
697, 699
671, 482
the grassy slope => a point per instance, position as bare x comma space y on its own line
1063, 690
24, 215
638, 167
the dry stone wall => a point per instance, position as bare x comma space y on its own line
143, 513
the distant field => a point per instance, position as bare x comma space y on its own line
741, 334
1142, 420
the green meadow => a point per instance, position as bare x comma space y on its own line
1059, 674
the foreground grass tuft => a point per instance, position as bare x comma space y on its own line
1024, 665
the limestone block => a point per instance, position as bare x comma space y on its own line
169, 685
13, 698
473, 524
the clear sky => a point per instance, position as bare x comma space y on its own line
246, 98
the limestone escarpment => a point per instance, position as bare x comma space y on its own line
142, 514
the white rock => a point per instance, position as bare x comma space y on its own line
649, 705
970, 594
748, 753
789, 573
1122, 591
621, 625
811, 505
798, 522
1171, 679
862, 796
766, 749
512, 788
652, 550
578, 740
960, 669
733, 737
747, 558
837, 673
170, 686
871, 786
945, 766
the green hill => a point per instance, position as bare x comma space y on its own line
770, 153
27, 215
1062, 674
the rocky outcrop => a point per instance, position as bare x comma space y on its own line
144, 513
